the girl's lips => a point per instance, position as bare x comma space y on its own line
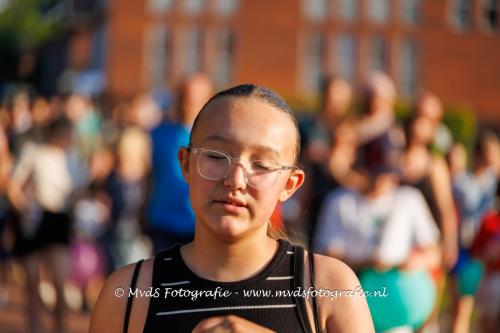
231, 201
231, 208
230, 205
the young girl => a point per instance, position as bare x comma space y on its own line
241, 161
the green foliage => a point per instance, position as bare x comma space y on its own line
462, 123
23, 25
308, 103
404, 109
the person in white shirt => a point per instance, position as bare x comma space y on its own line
389, 226
41, 189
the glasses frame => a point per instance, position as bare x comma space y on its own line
234, 160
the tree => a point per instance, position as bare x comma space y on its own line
25, 25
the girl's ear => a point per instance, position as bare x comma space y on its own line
294, 182
183, 156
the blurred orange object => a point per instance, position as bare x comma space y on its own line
277, 217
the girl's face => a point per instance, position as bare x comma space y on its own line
248, 129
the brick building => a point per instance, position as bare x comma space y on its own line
451, 47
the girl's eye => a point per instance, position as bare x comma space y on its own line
214, 156
262, 166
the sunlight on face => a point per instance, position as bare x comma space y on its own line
245, 128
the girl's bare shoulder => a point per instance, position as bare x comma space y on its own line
109, 311
340, 297
332, 273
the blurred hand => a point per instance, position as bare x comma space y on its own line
17, 197
415, 262
229, 324
423, 258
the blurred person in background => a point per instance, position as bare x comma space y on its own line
86, 122
336, 99
429, 107
386, 233
91, 214
377, 118
474, 192
127, 188
428, 172
375, 124
102, 165
335, 167
42, 189
171, 218
20, 120
42, 115
122, 167
94, 252
343, 157
144, 112
6, 163
28, 122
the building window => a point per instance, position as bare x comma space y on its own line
160, 6
379, 10
313, 62
224, 62
410, 11
489, 14
158, 55
379, 54
348, 10
409, 67
460, 13
225, 7
193, 7
346, 56
192, 51
315, 10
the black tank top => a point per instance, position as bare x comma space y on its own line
181, 310
425, 187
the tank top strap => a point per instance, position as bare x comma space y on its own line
298, 264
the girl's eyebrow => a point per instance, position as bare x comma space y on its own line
260, 148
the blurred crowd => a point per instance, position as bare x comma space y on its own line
406, 206
87, 186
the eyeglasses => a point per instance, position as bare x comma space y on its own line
215, 166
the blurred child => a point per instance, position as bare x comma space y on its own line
474, 193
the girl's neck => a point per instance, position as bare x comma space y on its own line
214, 259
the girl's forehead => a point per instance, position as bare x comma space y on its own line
231, 114
245, 122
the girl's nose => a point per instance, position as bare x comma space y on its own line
236, 177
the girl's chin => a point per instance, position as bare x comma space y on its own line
229, 226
